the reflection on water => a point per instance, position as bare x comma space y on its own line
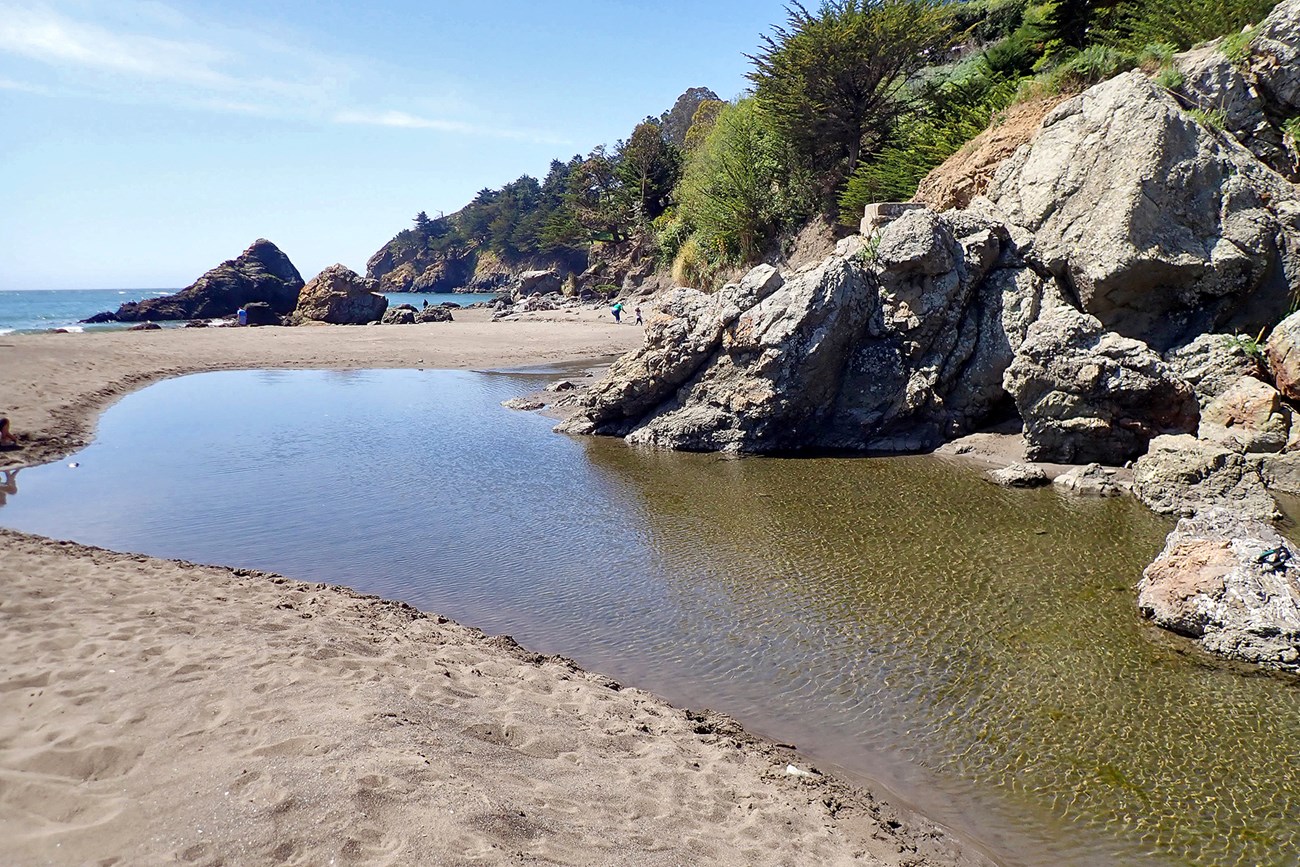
976, 649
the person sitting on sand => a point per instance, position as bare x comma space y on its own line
7, 439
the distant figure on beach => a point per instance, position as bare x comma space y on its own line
426, 304
638, 314
7, 439
617, 310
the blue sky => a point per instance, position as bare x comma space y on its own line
141, 143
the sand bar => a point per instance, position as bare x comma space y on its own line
158, 711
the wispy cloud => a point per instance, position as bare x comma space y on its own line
153, 53
404, 120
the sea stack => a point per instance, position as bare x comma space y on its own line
261, 273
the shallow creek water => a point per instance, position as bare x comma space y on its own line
975, 650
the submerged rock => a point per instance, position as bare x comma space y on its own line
1230, 582
260, 274
1019, 475
1087, 394
1182, 475
339, 296
1162, 227
1092, 480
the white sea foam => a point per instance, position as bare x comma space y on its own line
7, 330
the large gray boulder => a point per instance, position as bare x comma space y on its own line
402, 314
339, 296
1230, 582
899, 347
262, 273
1087, 394
1274, 59
1181, 475
1213, 363
1161, 227
536, 283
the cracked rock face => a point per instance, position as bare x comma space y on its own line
1230, 582
1087, 394
1181, 475
1162, 227
899, 346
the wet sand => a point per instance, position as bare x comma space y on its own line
158, 711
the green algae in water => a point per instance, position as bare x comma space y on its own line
998, 630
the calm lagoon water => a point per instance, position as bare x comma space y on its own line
974, 649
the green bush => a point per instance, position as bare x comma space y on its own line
1094, 64
692, 267
1183, 23
1211, 118
946, 115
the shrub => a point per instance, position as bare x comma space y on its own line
1093, 64
691, 267
1210, 118
1169, 78
1183, 23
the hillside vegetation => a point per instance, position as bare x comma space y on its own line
851, 102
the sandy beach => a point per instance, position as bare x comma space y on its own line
159, 712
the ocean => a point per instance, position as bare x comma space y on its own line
29, 311
32, 311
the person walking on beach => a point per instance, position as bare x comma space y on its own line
617, 310
638, 315
7, 439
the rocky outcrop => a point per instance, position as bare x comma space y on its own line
261, 313
1161, 227
1087, 394
1181, 475
260, 273
1249, 416
339, 296
897, 347
402, 314
434, 314
1230, 582
1282, 353
1211, 364
536, 283
969, 172
1275, 58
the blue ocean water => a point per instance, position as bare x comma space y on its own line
45, 309
35, 310
417, 299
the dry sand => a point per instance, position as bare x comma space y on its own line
154, 711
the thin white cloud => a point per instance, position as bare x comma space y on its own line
151, 52
405, 120
21, 86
